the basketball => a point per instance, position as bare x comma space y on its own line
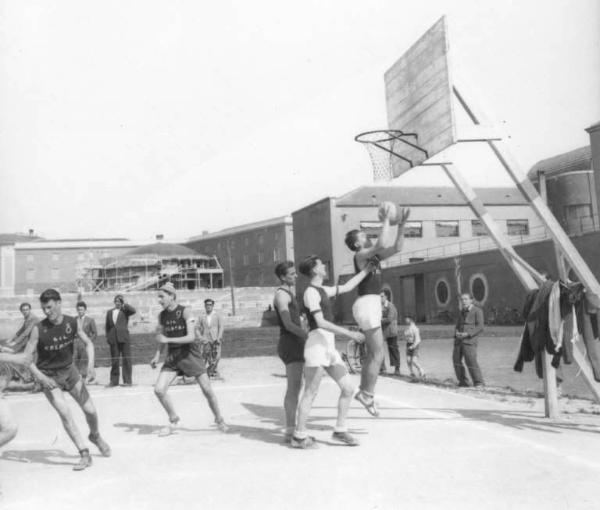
391, 211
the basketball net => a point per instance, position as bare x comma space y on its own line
382, 159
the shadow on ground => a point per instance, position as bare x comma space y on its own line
519, 420
40, 457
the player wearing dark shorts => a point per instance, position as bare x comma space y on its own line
184, 357
291, 341
52, 340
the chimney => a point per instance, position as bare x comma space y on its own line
159, 237
30, 232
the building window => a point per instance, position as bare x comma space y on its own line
260, 257
260, 278
30, 275
517, 227
479, 287
446, 229
442, 292
245, 259
275, 254
54, 274
30, 258
413, 229
246, 241
55, 257
261, 239
478, 228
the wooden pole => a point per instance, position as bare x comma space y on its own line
231, 280
525, 277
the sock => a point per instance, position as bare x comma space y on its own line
300, 435
340, 429
85, 452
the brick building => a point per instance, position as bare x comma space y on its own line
253, 249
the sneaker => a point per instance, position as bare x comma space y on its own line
287, 437
345, 438
463, 384
479, 385
85, 461
368, 402
169, 429
101, 444
304, 443
221, 425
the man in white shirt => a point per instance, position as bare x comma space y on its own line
210, 332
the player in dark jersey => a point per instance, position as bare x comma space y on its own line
8, 427
52, 342
367, 308
320, 354
184, 357
291, 341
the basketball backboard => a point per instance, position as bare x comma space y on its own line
419, 96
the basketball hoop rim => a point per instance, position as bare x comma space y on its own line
390, 134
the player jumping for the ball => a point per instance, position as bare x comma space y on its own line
367, 308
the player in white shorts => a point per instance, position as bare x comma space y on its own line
320, 354
367, 308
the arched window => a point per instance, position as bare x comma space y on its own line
479, 287
442, 292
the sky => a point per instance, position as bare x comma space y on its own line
125, 118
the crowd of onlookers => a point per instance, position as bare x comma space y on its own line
209, 331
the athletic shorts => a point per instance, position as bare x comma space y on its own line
320, 351
290, 349
65, 378
367, 312
190, 365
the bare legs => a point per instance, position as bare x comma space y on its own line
8, 428
293, 372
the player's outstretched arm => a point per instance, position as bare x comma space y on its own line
17, 359
352, 283
334, 328
392, 239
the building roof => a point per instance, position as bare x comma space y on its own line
286, 220
165, 250
593, 127
572, 161
8, 239
366, 196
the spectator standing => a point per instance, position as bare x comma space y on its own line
88, 326
389, 326
210, 331
468, 328
117, 336
412, 336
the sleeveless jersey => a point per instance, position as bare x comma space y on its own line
371, 284
55, 343
294, 313
174, 326
325, 306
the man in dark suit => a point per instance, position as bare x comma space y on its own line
88, 325
117, 336
468, 328
389, 326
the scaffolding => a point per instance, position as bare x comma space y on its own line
149, 271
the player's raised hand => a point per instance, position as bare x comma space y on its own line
404, 214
